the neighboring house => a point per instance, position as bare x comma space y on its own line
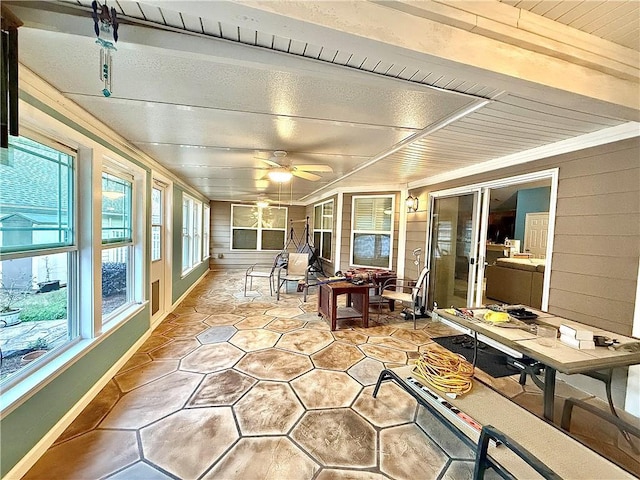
39, 230
34, 210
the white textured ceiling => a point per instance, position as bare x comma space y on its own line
210, 108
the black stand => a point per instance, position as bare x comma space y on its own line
315, 265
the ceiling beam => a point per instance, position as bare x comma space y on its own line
394, 35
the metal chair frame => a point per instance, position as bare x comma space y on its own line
256, 271
296, 270
406, 291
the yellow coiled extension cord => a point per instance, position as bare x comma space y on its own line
444, 371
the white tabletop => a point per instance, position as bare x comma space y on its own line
561, 357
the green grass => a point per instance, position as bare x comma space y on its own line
44, 306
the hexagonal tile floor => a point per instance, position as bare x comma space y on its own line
254, 339
233, 387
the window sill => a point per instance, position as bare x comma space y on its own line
121, 317
187, 272
191, 269
18, 393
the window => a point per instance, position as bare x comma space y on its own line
37, 201
205, 232
197, 233
187, 232
323, 228
256, 228
191, 233
372, 231
117, 242
156, 224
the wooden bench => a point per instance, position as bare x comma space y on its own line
559, 453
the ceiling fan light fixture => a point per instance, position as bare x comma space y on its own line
280, 175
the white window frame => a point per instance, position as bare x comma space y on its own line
320, 229
123, 175
159, 225
37, 368
197, 232
187, 229
355, 231
206, 231
191, 232
552, 175
259, 229
84, 271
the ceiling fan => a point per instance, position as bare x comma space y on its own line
282, 173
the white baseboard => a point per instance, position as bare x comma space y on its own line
189, 290
23, 466
156, 322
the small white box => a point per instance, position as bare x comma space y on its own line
575, 333
578, 344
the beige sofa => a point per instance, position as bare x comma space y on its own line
516, 281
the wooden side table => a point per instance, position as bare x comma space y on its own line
357, 302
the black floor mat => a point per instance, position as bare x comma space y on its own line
491, 361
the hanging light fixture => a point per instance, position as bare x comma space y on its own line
412, 204
280, 175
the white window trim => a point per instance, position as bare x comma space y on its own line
553, 175
187, 231
258, 229
378, 232
197, 233
206, 231
28, 380
160, 225
194, 233
323, 230
137, 274
89, 158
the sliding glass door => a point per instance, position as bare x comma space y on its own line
480, 234
453, 249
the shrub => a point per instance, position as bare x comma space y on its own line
114, 278
44, 306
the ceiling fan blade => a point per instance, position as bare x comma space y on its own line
306, 175
271, 163
314, 168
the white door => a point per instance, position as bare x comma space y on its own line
158, 251
536, 232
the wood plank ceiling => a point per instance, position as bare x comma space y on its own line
214, 140
613, 20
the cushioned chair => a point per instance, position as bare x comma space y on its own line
263, 271
406, 291
296, 270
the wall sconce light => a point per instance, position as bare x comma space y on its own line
262, 203
412, 204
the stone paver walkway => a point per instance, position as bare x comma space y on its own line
27, 334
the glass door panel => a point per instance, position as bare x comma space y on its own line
453, 251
